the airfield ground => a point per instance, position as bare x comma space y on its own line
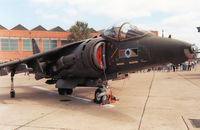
147, 101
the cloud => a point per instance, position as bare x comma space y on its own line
187, 19
71, 11
181, 19
117, 9
46, 15
114, 9
50, 3
183, 26
51, 16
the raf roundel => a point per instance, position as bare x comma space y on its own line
128, 53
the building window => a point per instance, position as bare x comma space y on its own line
9, 44
49, 44
63, 42
27, 45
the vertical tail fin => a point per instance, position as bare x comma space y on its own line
37, 65
35, 47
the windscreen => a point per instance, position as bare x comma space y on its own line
124, 32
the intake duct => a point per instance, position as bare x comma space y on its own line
99, 55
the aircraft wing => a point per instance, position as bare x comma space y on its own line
20, 65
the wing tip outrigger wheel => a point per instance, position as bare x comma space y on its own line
12, 91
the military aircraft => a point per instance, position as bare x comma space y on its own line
92, 62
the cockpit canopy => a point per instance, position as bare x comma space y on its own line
124, 32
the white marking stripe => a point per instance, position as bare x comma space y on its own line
84, 99
52, 91
44, 89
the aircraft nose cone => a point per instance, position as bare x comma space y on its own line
167, 50
190, 51
181, 51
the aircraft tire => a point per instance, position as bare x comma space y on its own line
61, 91
69, 91
12, 94
97, 99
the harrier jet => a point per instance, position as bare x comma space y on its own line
92, 62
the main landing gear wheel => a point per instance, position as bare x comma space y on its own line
61, 91
69, 91
100, 96
65, 91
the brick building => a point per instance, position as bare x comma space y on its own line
16, 42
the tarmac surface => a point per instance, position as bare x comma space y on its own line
147, 101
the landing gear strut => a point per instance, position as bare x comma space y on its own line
65, 91
12, 91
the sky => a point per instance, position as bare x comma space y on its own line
176, 17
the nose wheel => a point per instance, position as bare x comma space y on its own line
104, 96
100, 96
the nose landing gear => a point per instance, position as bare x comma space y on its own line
100, 96
103, 95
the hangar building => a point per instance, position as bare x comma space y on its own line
16, 42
